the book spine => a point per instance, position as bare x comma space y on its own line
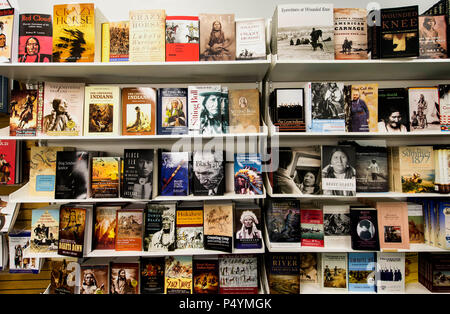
40, 109
308, 106
105, 42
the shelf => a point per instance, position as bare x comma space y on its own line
226, 196
412, 288
340, 135
141, 72
360, 195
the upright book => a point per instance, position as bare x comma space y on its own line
201, 97
35, 38
72, 224
338, 170
283, 222
9, 159
182, 38
189, 228
72, 179
311, 224
139, 111
218, 37
94, 279
433, 37
105, 179
24, 107
218, 226
119, 41
6, 36
334, 271
18, 243
205, 276
159, 229
138, 173
251, 39
350, 34
173, 111
284, 273
247, 174
327, 107
66, 269
393, 225
444, 104
336, 225
178, 275
362, 272
124, 278
372, 169
390, 272
244, 111
416, 224
44, 230
364, 228
174, 176
105, 224
243, 282
362, 108
393, 110
129, 229
209, 173
424, 109
247, 226
288, 109
152, 275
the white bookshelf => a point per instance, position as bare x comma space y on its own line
411, 288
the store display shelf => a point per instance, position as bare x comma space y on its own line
226, 196
411, 288
340, 135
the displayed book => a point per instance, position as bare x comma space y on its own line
244, 111
362, 108
372, 169
218, 226
178, 275
44, 230
173, 111
441, 177
23, 116
243, 282
63, 109
74, 32
94, 279
350, 34
247, 226
327, 107
105, 42
393, 225
224, 108
205, 276
119, 41
415, 223
18, 263
124, 278
283, 221
393, 110
338, 170
288, 109
182, 38
72, 224
444, 107
4, 94
139, 111
152, 275
218, 37
399, 36
283, 273
364, 229
390, 272
443, 224
105, 224
204, 109
6, 43
147, 35
303, 32
35, 37
309, 268
411, 267
105, 180
251, 39
189, 228
63, 279
334, 271
312, 227
433, 37
174, 174
424, 109
433, 271
209, 173
102, 110
73, 170
129, 230
159, 229
138, 173
362, 272
247, 174
336, 225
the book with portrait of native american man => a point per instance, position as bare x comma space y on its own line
124, 278
433, 37
173, 111
35, 38
218, 226
94, 279
209, 173
159, 228
7, 17
247, 226
139, 111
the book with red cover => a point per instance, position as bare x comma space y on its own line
35, 38
182, 38
7, 161
311, 224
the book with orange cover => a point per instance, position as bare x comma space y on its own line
393, 225
139, 111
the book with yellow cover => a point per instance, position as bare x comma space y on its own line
119, 41
178, 275
102, 112
244, 111
105, 42
362, 108
105, 177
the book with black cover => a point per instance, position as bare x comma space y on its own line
73, 172
288, 109
364, 229
371, 169
152, 275
393, 110
138, 173
72, 223
283, 221
209, 173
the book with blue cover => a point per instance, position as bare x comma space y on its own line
172, 111
361, 272
247, 174
174, 180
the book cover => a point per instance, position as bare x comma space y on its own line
393, 110
74, 32
327, 107
247, 174
178, 275
444, 107
94, 279
338, 170
364, 229
44, 230
334, 271
372, 169
43, 170
6, 36
23, 116
443, 224
138, 173
243, 282
72, 180
251, 39
182, 38
105, 42
416, 165
424, 109
105, 224
309, 268
400, 32
189, 228
201, 97
159, 230
416, 223
218, 226
361, 272
289, 109
218, 37
362, 108
393, 225
284, 273
350, 34
209, 173
174, 180
63, 278
244, 111
283, 221
102, 110
432, 37
72, 223
247, 226
390, 272
35, 38
336, 225
119, 41
205, 276
147, 35
411, 267
173, 111
129, 230
439, 273
63, 109
105, 180
8, 160
18, 243
311, 224
152, 275
124, 278
139, 111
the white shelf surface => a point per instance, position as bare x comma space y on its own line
226, 196
411, 288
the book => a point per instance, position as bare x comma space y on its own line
23, 117
247, 226
362, 109
63, 109
283, 221
209, 173
309, 268
311, 224
390, 272
327, 107
6, 43
243, 282
182, 38
244, 111
444, 107
4, 94
129, 230
198, 97
189, 228
424, 109
288, 112
73, 169
350, 34
105, 180
364, 229
63, 279
152, 275
119, 41
334, 271
173, 111
338, 170
102, 110
218, 226
393, 110
362, 272
124, 278
336, 225
432, 37
147, 40
393, 225
433, 270
8, 160
224, 108
205, 276
303, 32
72, 224
218, 37
138, 173
284, 273
415, 223
372, 169
35, 38
44, 230
159, 229
105, 224
443, 224
74, 32
105, 42
94, 279
411, 267
174, 176
251, 39
139, 111
178, 275
18, 263
399, 32
247, 174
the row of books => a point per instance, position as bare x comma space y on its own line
73, 109
339, 107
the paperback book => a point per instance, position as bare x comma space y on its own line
102, 110
393, 225
174, 177
247, 174
218, 37
35, 38
251, 39
247, 226
94, 279
182, 38
362, 109
424, 109
139, 111
18, 263
124, 278
66, 269
283, 273
204, 109
138, 173
390, 272
416, 224
105, 224
72, 180
44, 230
209, 173
178, 275
189, 228
43, 170
432, 37
362, 272
444, 106
7, 20
173, 111
327, 107
119, 41
205, 276
288, 109
129, 230
283, 221
334, 271
243, 282
393, 110
218, 226
244, 111
105, 181
371, 169
350, 34
309, 268
72, 223
311, 224
159, 230
364, 229
336, 225
23, 117
152, 275
338, 170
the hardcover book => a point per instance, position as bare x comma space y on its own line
174, 179
35, 38
364, 229
178, 275
243, 282
105, 180
44, 230
74, 32
350, 34
218, 37
247, 226
138, 173
432, 37
411, 267
18, 243
338, 170
362, 109
416, 223
8, 157
336, 225
393, 225
247, 174
251, 39
139, 111
334, 271
105, 42
424, 109
283, 221
65, 269
124, 278
23, 117
152, 275
129, 230
444, 104
94, 279
218, 226
105, 224
372, 169
288, 109
159, 230
43, 170
390, 272
72, 223
311, 224
7, 20
182, 38
244, 111
72, 175
209, 173
201, 97
102, 110
119, 41
309, 268
327, 107
205, 276
173, 111
189, 228
284, 273
361, 272
393, 110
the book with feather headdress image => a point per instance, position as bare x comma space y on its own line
247, 174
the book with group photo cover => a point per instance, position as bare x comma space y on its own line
327, 107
